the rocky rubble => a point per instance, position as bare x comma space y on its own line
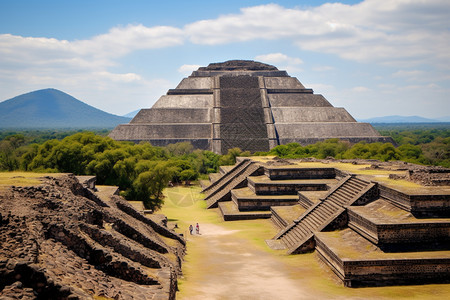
60, 240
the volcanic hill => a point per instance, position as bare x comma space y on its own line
51, 108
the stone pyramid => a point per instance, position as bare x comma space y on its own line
245, 104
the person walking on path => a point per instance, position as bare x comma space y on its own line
191, 228
197, 229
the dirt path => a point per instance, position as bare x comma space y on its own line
236, 269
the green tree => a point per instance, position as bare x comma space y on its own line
188, 175
149, 185
230, 157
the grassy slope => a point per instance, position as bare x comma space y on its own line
184, 206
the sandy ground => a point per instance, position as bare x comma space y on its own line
238, 269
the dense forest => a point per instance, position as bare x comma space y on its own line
142, 170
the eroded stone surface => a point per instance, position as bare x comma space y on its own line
60, 240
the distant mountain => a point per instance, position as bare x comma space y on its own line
444, 119
51, 108
131, 114
401, 119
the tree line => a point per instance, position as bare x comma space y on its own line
142, 171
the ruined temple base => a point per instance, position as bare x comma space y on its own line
357, 262
230, 212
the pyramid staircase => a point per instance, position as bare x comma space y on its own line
220, 190
299, 236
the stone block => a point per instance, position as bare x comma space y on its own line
325, 130
310, 114
282, 83
298, 100
184, 101
196, 83
173, 115
148, 132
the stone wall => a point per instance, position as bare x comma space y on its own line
310, 114
162, 131
299, 173
325, 130
378, 272
184, 101
196, 83
284, 188
282, 83
173, 115
298, 100
432, 205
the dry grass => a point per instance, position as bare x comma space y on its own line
21, 178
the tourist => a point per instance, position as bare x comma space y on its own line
191, 228
197, 229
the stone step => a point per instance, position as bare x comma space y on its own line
345, 193
338, 200
311, 225
328, 208
350, 190
313, 216
250, 168
323, 213
302, 232
288, 239
225, 179
295, 233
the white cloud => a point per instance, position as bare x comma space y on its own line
403, 34
323, 68
128, 77
82, 67
360, 89
186, 70
415, 30
411, 74
277, 58
281, 61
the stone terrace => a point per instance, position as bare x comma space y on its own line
394, 231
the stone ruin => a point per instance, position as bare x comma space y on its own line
60, 240
245, 104
369, 231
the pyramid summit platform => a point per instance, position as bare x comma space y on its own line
244, 104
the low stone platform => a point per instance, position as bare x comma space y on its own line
225, 169
88, 181
262, 185
286, 172
309, 198
422, 201
357, 262
230, 212
213, 177
282, 216
204, 183
246, 200
383, 223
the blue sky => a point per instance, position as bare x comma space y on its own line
372, 57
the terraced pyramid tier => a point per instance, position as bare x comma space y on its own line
358, 262
245, 104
